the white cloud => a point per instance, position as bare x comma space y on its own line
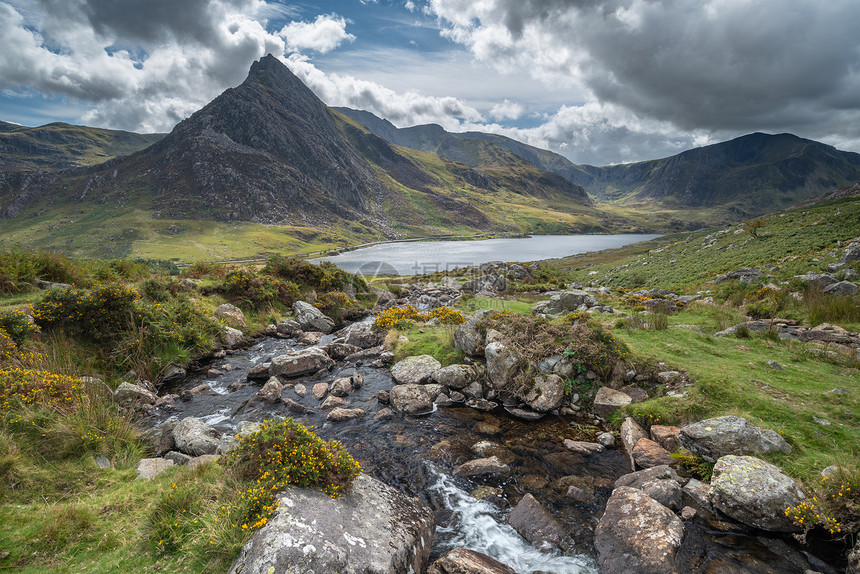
507, 110
322, 35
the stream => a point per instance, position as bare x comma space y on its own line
418, 454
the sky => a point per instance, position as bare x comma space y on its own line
599, 81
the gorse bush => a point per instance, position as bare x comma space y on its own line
325, 276
258, 290
20, 269
97, 314
835, 505
406, 317
17, 325
338, 305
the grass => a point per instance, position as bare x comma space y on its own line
471, 304
437, 342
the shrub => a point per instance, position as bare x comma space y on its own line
256, 291
202, 269
28, 386
8, 347
337, 305
835, 505
696, 465
17, 325
98, 314
446, 316
283, 453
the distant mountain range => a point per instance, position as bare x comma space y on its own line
270, 152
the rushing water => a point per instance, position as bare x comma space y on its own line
417, 257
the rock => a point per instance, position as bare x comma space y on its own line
639, 478
637, 534
842, 288
854, 560
232, 337
363, 336
415, 370
579, 494
583, 448
666, 492
319, 391
294, 406
372, 528
172, 374
232, 316
300, 390
565, 302
289, 328
151, 467
194, 437
534, 523
311, 319
468, 338
484, 427
486, 449
631, 432
636, 394
298, 363
490, 465
473, 390
748, 326
456, 376
102, 461
340, 351
816, 280
699, 494
755, 493
502, 364
356, 379
178, 458
666, 436
718, 437
260, 371
341, 387
744, 275
481, 404
133, 397
607, 439
775, 365
333, 402
546, 394
410, 399
648, 454
384, 415
196, 461
338, 414
607, 401
688, 513
271, 391
666, 377
160, 438
462, 561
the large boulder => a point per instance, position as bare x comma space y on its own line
842, 288
232, 316
232, 337
545, 394
852, 254
298, 363
565, 302
755, 493
534, 523
134, 397
502, 364
463, 561
637, 534
311, 318
607, 401
410, 399
415, 370
468, 338
648, 454
713, 438
193, 436
363, 336
456, 376
371, 529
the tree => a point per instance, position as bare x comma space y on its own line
753, 226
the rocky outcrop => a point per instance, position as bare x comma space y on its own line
755, 493
714, 438
637, 534
298, 363
311, 318
566, 302
193, 436
462, 561
373, 528
415, 370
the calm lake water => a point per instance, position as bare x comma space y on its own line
417, 257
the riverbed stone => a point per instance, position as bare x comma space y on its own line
410, 399
607, 439
502, 364
232, 337
637, 534
271, 391
640, 477
341, 387
363, 336
546, 394
232, 316
607, 401
415, 370
755, 493
489, 465
135, 397
648, 454
333, 402
339, 414
666, 492
666, 436
372, 528
534, 523
311, 318
195, 437
584, 448
463, 561
298, 363
714, 438
630, 433
486, 448
456, 376
294, 406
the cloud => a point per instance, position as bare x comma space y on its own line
322, 35
507, 110
699, 65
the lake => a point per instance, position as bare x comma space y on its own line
418, 257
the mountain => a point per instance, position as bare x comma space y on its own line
269, 152
60, 146
744, 177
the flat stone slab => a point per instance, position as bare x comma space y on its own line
151, 467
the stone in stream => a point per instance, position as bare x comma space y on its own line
456, 376
371, 528
755, 493
410, 399
714, 438
487, 449
319, 391
294, 407
271, 391
415, 370
546, 393
193, 436
584, 448
640, 477
339, 414
298, 363
300, 390
311, 319
463, 561
637, 534
333, 402
648, 454
534, 523
341, 387
363, 336
490, 465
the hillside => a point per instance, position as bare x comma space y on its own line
60, 146
744, 177
267, 166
